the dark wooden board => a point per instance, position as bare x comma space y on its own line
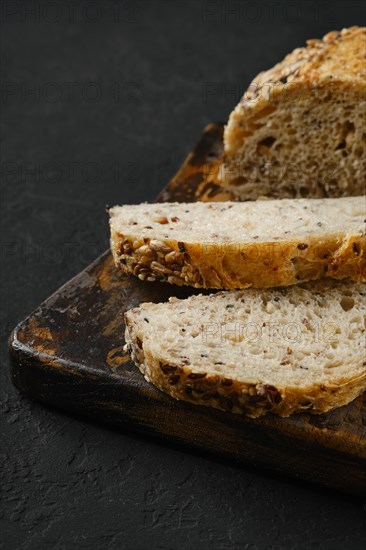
69, 353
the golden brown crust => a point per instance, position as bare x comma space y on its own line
330, 71
223, 393
338, 56
237, 265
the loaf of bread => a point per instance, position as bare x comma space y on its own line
234, 245
299, 130
287, 350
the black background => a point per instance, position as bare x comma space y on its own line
147, 77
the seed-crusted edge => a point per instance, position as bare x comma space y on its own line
226, 394
341, 256
155, 260
303, 66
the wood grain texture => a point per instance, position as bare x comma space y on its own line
69, 353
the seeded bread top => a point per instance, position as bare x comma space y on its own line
338, 56
261, 221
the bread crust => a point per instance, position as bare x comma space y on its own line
219, 392
338, 56
236, 265
332, 65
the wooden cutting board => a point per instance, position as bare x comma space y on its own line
69, 353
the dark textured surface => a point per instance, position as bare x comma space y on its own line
68, 483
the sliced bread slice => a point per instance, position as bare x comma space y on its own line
299, 130
281, 350
238, 245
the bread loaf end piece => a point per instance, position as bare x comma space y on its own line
299, 130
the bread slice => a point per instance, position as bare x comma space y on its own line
299, 130
281, 350
238, 245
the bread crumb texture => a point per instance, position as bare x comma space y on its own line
252, 352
